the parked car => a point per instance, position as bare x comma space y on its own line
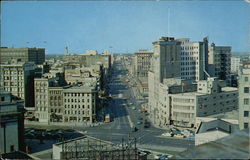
138, 122
146, 124
163, 157
157, 156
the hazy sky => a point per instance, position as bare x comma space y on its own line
126, 26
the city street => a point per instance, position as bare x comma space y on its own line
124, 110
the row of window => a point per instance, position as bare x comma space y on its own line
77, 94
77, 100
75, 112
190, 58
188, 68
77, 106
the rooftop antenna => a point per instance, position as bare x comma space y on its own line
67, 50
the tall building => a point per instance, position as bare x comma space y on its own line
172, 58
235, 64
36, 55
220, 58
166, 58
142, 60
11, 123
18, 78
244, 96
165, 64
194, 57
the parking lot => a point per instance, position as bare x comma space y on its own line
38, 140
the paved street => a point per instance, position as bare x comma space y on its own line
124, 112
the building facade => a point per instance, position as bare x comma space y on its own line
80, 104
194, 57
235, 64
72, 104
142, 60
36, 55
244, 97
220, 58
11, 123
181, 102
18, 78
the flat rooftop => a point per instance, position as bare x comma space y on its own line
234, 146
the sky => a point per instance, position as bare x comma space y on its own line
122, 27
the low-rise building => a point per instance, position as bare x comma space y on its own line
212, 130
180, 103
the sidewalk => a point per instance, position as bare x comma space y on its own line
62, 124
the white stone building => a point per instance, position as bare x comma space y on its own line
244, 97
180, 103
194, 58
235, 64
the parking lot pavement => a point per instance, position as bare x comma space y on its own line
39, 140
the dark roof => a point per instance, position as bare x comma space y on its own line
16, 155
234, 146
218, 124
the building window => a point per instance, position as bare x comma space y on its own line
246, 89
245, 125
246, 113
246, 79
12, 148
246, 101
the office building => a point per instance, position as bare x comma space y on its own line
235, 64
165, 64
80, 104
172, 58
142, 60
220, 58
18, 78
57, 103
194, 58
36, 55
12, 123
181, 102
244, 96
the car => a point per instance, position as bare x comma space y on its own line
138, 122
146, 124
157, 156
163, 157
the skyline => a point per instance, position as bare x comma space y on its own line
122, 26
